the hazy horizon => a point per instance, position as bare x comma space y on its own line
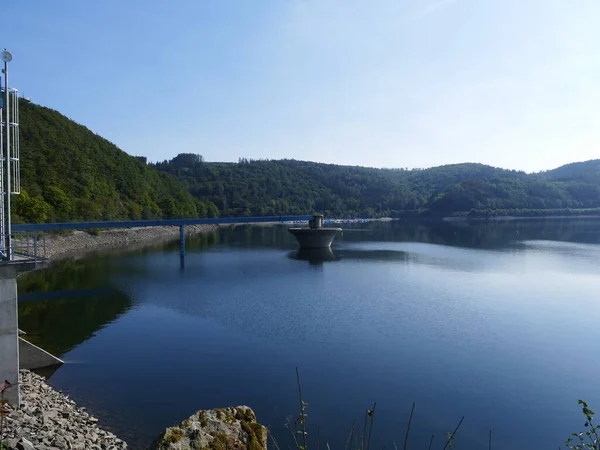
370, 167
385, 84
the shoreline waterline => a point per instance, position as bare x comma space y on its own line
47, 418
79, 242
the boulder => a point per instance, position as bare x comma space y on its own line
232, 428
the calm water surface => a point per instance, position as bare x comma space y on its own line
496, 322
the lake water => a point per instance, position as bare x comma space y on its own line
497, 322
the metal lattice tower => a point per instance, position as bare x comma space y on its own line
10, 176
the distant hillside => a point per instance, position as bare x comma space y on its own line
69, 173
578, 171
298, 187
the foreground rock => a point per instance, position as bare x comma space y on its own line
215, 429
47, 419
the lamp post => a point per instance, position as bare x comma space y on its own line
6, 57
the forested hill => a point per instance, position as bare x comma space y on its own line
298, 187
69, 173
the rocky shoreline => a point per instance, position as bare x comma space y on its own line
59, 246
48, 420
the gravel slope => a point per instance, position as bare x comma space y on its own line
63, 245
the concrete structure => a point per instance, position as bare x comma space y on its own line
9, 335
315, 236
32, 357
18, 253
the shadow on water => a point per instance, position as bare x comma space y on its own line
319, 256
61, 307
68, 303
60, 324
314, 256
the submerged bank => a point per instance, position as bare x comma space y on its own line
69, 244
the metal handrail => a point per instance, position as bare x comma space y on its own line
25, 247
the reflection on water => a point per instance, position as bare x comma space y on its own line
485, 234
481, 234
59, 323
318, 256
590, 252
314, 256
381, 255
61, 307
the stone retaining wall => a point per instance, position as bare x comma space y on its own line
69, 244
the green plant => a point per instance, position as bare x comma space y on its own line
245, 415
589, 439
254, 432
31, 209
299, 427
586, 440
450, 436
223, 442
355, 442
61, 232
300, 420
203, 419
412, 411
173, 435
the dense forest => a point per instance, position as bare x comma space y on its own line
266, 187
69, 173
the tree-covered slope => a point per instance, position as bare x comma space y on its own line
290, 187
69, 173
298, 187
578, 171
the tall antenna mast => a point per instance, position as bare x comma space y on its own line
10, 182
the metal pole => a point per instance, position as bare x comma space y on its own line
2, 226
182, 240
182, 247
8, 238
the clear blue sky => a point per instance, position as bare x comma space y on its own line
383, 83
